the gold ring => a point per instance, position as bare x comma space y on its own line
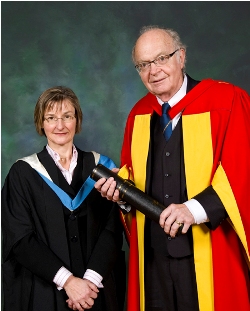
179, 223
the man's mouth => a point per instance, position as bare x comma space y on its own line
158, 81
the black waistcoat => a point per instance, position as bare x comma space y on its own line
166, 183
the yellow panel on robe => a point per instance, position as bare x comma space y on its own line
198, 155
139, 154
222, 187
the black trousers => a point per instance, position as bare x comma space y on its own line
170, 283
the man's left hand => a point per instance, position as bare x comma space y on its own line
174, 216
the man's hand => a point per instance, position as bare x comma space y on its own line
107, 187
174, 216
81, 293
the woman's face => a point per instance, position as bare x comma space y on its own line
60, 132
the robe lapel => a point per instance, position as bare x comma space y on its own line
54, 211
85, 164
54, 172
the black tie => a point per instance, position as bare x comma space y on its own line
166, 124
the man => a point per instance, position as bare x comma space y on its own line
200, 172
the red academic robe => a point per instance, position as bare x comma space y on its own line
216, 138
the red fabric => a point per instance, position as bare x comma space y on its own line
133, 299
125, 226
231, 281
230, 271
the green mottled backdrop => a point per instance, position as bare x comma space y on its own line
87, 46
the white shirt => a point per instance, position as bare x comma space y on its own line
68, 174
193, 205
63, 274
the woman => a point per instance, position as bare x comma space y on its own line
61, 240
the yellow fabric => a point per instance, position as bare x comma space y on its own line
124, 173
222, 187
139, 153
198, 155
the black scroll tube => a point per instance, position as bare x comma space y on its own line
132, 195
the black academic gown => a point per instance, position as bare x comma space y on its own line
34, 218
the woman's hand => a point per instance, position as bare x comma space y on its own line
107, 187
81, 293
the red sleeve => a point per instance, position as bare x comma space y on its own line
235, 156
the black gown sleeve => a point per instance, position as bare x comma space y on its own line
37, 257
20, 240
213, 206
108, 246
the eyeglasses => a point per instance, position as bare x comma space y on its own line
159, 61
65, 119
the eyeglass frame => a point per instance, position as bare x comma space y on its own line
167, 56
55, 119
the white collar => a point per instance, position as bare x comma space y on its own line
177, 96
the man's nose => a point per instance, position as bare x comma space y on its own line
153, 68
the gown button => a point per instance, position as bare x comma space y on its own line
72, 216
74, 239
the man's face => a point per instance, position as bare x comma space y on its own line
163, 81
